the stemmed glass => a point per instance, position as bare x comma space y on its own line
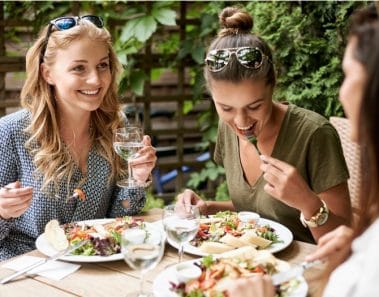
127, 141
143, 248
181, 224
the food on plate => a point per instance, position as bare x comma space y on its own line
226, 231
55, 235
212, 247
217, 273
104, 239
78, 193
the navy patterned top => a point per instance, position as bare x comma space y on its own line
18, 235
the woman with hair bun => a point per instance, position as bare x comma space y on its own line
351, 253
281, 161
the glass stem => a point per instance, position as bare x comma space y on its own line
130, 174
181, 246
141, 282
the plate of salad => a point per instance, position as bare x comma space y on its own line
104, 239
226, 231
218, 272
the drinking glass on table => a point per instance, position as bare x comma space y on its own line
143, 248
181, 224
127, 141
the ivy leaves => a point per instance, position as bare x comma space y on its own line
143, 26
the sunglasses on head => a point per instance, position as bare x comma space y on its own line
249, 57
65, 23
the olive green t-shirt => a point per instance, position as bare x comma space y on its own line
308, 142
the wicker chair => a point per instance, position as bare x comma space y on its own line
351, 152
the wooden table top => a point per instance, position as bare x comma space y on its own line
117, 279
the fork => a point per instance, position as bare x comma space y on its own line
254, 141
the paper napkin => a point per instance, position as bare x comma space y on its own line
55, 270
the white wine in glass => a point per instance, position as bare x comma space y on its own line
127, 142
181, 225
143, 248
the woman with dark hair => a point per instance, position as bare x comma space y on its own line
352, 253
63, 138
281, 161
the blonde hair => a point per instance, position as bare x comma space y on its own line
54, 163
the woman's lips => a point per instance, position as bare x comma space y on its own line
247, 132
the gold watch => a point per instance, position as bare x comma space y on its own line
318, 219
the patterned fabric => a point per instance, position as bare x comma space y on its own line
18, 235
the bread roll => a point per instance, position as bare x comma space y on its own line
55, 235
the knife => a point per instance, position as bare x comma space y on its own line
293, 272
62, 253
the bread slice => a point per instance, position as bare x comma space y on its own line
55, 235
211, 247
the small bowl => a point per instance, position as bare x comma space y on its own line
187, 271
249, 217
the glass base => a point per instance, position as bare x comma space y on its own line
139, 294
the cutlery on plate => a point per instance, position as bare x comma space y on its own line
293, 272
62, 253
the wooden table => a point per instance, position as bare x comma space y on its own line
113, 279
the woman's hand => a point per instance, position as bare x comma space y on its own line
333, 246
285, 183
145, 162
189, 197
14, 200
257, 286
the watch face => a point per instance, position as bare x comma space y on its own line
322, 218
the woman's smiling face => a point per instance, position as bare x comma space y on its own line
245, 106
80, 75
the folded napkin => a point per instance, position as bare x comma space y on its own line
55, 270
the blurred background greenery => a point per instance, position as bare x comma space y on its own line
307, 39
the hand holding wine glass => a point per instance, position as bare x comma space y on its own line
143, 248
128, 144
181, 224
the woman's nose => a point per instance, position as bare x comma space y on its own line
241, 119
93, 78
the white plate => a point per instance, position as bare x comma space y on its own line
283, 232
161, 284
45, 248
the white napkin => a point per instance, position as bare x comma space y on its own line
55, 270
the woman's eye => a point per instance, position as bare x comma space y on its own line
79, 68
226, 109
103, 65
254, 107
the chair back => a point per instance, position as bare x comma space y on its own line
351, 153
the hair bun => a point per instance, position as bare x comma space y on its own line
233, 20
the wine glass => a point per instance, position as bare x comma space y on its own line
143, 248
181, 224
127, 141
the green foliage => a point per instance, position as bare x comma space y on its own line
152, 202
307, 39
211, 171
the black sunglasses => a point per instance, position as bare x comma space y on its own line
65, 23
249, 57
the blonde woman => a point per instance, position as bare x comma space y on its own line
62, 139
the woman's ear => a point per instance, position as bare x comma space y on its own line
46, 74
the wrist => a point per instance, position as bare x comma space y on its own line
318, 218
312, 205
